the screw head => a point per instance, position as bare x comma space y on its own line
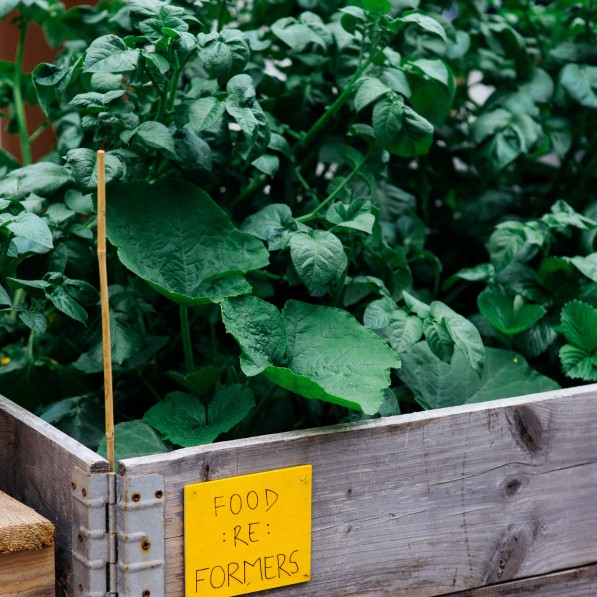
136, 497
159, 494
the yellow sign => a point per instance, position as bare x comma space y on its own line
248, 533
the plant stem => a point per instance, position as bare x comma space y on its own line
221, 15
335, 192
31, 346
19, 100
39, 130
186, 339
321, 122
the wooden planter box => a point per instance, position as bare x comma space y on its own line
498, 498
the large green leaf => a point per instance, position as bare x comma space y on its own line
505, 136
579, 326
404, 331
415, 136
50, 81
433, 88
41, 178
271, 224
369, 90
259, 329
580, 82
586, 265
509, 316
82, 163
31, 227
387, 119
224, 54
176, 238
182, 419
328, 355
357, 215
157, 135
243, 107
437, 384
299, 33
464, 334
317, 257
204, 112
109, 54
132, 439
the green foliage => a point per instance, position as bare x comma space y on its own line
301, 197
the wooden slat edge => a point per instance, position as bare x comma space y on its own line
577, 582
132, 464
87, 458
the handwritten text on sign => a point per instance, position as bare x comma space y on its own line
248, 533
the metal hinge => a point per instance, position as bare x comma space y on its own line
140, 536
93, 539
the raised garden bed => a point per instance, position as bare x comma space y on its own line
431, 503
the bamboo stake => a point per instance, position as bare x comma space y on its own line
101, 258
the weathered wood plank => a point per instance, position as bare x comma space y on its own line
580, 582
21, 528
423, 504
27, 573
26, 550
36, 464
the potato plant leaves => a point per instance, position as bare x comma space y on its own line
178, 240
438, 384
318, 256
132, 439
318, 352
185, 421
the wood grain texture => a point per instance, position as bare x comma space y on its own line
36, 464
580, 582
27, 573
422, 504
21, 528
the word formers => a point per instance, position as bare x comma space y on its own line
249, 533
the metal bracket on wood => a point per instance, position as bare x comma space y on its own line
92, 545
140, 531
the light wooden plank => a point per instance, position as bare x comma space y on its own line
27, 573
423, 504
21, 528
36, 464
580, 582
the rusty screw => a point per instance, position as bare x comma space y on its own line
81, 587
159, 494
80, 538
146, 544
84, 492
136, 497
146, 593
73, 485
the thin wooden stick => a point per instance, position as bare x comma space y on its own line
103, 272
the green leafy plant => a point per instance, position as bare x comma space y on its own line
318, 212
